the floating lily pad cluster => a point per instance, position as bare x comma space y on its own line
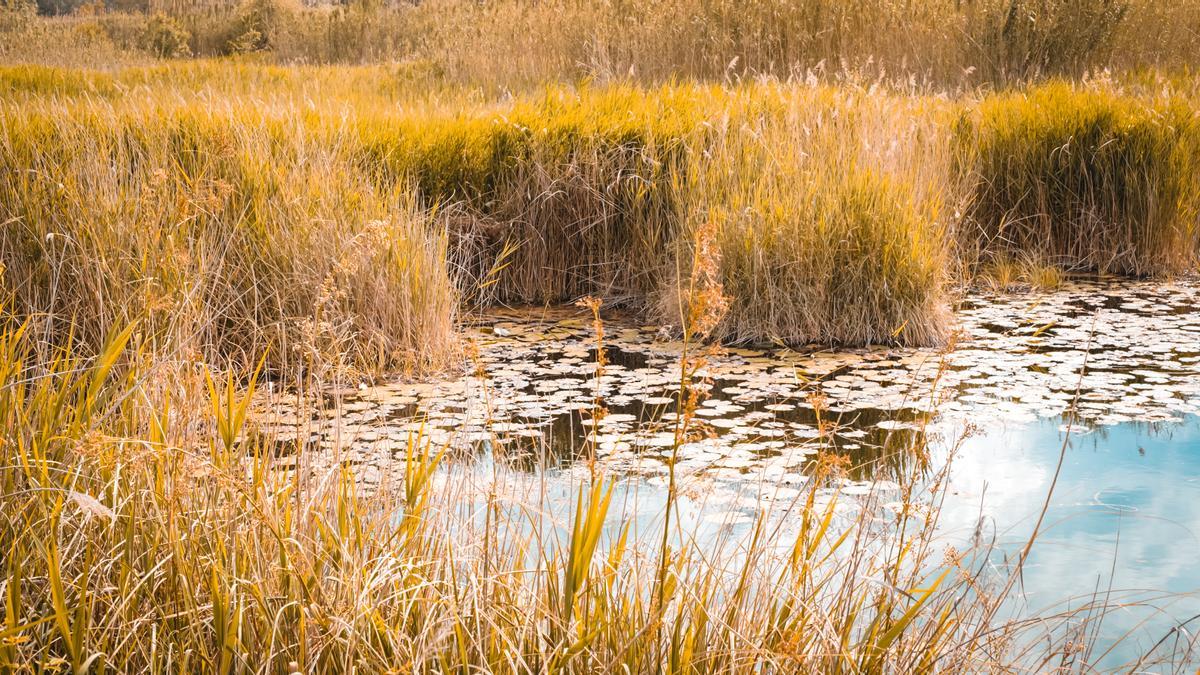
1096, 353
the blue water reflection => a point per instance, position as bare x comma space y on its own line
1124, 514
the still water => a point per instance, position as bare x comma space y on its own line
1123, 521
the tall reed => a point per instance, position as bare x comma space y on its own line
830, 208
1087, 179
223, 234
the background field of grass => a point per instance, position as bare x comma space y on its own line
510, 43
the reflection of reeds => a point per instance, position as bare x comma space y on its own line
134, 541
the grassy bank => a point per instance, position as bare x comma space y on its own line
187, 197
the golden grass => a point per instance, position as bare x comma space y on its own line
838, 211
1088, 179
161, 220
222, 233
516, 44
830, 212
144, 532
1008, 274
827, 204
565, 194
546, 198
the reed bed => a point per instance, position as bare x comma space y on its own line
574, 192
839, 214
224, 235
1086, 179
516, 44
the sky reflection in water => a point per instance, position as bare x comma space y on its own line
1126, 507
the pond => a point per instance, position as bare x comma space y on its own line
1104, 374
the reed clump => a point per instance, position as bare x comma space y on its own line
829, 209
828, 205
1087, 179
557, 196
223, 234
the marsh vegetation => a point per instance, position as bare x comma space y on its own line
267, 408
